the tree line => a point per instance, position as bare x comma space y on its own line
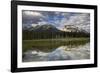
29, 35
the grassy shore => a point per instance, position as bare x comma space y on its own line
45, 44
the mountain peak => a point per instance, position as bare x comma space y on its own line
42, 28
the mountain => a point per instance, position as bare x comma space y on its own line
49, 31
52, 28
43, 28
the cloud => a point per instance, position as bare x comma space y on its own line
58, 19
78, 19
81, 20
32, 13
33, 25
42, 23
30, 17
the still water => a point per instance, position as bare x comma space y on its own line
63, 52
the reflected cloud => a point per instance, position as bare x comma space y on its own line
60, 53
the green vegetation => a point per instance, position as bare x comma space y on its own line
51, 44
47, 39
30, 35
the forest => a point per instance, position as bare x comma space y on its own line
29, 35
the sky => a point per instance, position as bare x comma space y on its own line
58, 19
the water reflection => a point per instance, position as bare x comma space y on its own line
64, 52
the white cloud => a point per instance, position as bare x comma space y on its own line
33, 25
79, 20
42, 23
32, 13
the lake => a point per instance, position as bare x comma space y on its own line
55, 50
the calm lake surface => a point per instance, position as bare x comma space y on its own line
61, 52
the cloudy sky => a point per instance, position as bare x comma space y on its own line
58, 19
